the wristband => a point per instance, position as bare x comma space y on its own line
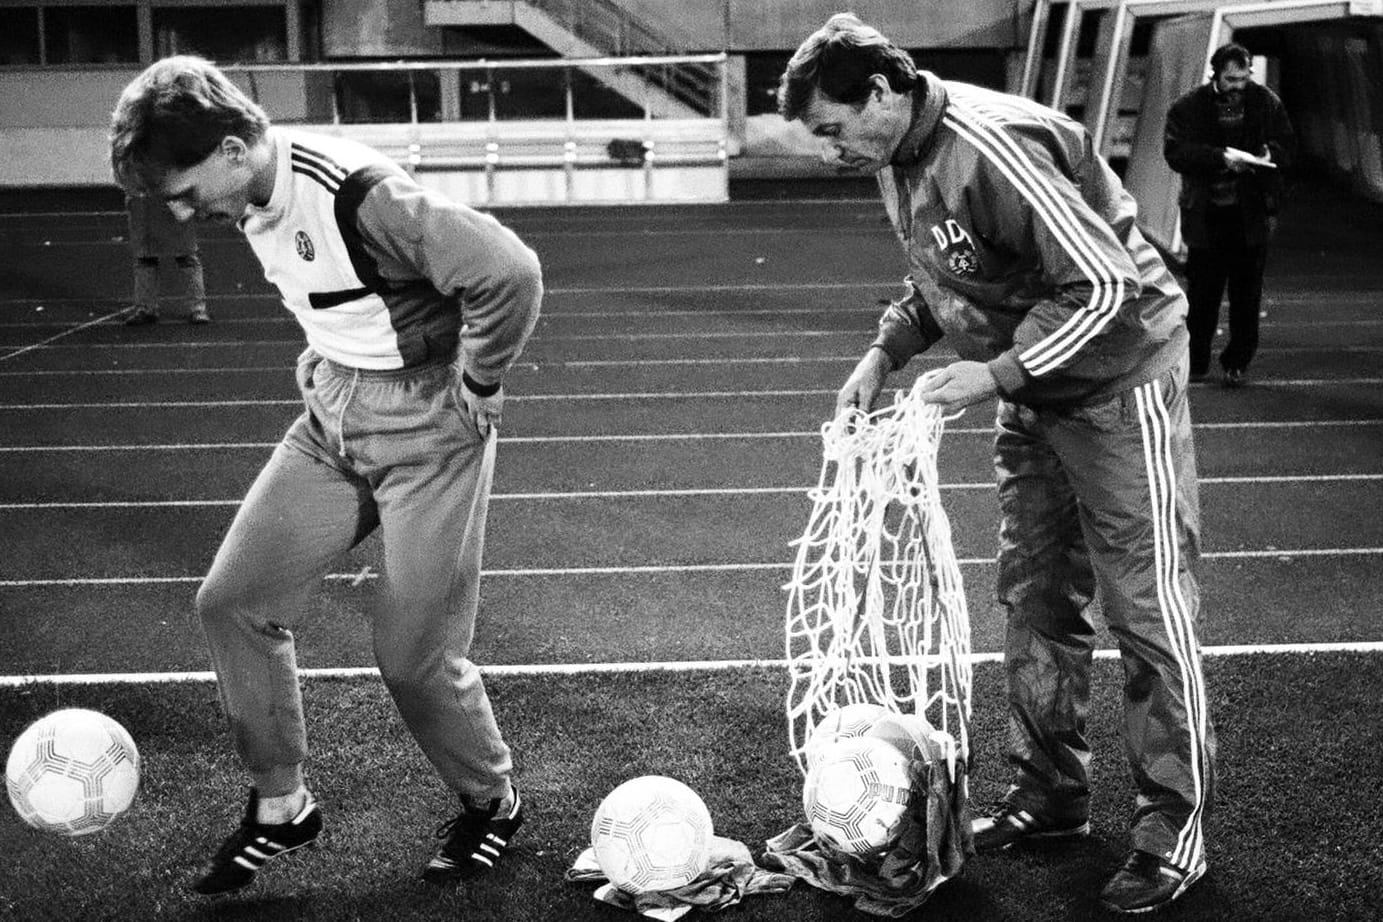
475, 387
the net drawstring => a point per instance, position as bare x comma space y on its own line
876, 605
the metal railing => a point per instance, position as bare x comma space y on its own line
411, 92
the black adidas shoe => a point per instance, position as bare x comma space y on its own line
475, 839
1146, 883
1008, 824
246, 850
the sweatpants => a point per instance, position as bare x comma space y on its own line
1103, 498
393, 450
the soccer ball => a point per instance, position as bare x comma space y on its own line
842, 723
856, 795
72, 772
652, 833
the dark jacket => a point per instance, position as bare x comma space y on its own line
1194, 148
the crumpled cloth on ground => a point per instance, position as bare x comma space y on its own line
731, 876
933, 845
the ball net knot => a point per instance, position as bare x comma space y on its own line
876, 607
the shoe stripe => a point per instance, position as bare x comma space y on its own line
476, 856
1177, 614
256, 853
246, 863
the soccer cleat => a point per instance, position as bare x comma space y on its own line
245, 851
1008, 824
199, 315
1146, 882
474, 841
1235, 377
140, 316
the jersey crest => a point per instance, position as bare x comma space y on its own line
303, 243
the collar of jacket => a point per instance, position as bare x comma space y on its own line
928, 104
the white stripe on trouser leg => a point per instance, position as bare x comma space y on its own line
1176, 614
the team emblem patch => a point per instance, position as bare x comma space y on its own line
957, 247
305, 248
962, 262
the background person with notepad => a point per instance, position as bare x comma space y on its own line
1229, 140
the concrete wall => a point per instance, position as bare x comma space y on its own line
378, 27
757, 25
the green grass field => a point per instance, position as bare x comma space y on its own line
1294, 835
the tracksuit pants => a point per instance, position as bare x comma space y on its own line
1104, 498
393, 450
191, 285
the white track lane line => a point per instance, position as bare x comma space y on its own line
571, 669
657, 494
651, 437
356, 579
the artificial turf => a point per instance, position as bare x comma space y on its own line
1293, 835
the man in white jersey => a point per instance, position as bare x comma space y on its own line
413, 307
1024, 255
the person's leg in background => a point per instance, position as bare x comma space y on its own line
1206, 275
1245, 304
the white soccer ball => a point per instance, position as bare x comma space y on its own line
842, 723
652, 833
856, 795
72, 772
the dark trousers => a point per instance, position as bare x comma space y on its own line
1231, 262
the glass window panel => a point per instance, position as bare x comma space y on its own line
243, 34
522, 93
19, 35
383, 96
91, 34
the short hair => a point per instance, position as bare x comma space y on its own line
838, 59
1233, 53
173, 115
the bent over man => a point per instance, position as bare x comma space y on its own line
413, 307
1024, 256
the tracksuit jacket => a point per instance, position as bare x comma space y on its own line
1051, 283
1023, 253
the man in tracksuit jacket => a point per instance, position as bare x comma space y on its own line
413, 307
1024, 255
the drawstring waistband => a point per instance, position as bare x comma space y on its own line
356, 375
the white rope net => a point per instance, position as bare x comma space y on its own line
876, 608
